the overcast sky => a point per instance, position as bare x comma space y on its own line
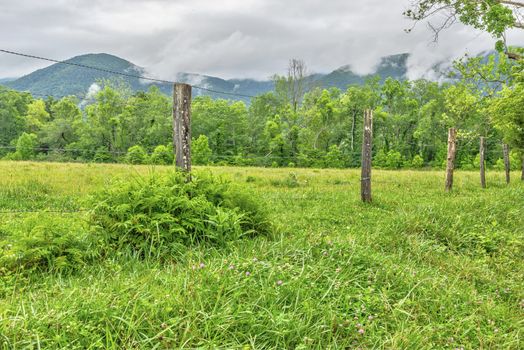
227, 38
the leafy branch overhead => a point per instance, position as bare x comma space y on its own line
492, 16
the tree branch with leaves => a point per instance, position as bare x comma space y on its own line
492, 16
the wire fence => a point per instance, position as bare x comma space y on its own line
128, 75
239, 159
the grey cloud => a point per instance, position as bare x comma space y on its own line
227, 38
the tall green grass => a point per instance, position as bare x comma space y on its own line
416, 269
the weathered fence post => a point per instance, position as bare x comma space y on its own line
367, 143
522, 175
482, 163
452, 149
505, 150
182, 126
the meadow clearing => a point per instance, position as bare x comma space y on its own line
416, 269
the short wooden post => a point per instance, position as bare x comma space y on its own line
505, 151
182, 126
452, 149
522, 175
482, 163
367, 143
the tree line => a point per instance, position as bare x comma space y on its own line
294, 125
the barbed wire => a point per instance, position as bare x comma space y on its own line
344, 155
109, 71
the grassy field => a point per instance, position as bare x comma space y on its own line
417, 269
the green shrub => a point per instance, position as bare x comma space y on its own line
476, 162
417, 162
162, 156
12, 156
467, 163
164, 214
102, 155
136, 155
515, 162
499, 164
25, 147
393, 160
45, 243
380, 159
200, 151
55, 156
303, 160
240, 160
334, 159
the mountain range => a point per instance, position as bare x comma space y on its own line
61, 79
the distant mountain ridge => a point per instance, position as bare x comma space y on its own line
61, 79
6, 80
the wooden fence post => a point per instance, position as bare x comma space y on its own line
367, 143
452, 149
182, 126
505, 150
522, 175
482, 163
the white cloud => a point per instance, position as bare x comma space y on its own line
91, 93
227, 38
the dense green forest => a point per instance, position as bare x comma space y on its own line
294, 125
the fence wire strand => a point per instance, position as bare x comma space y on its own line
109, 71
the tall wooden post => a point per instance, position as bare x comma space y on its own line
452, 150
482, 163
505, 151
367, 143
182, 126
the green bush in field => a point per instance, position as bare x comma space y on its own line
162, 156
390, 160
102, 155
499, 164
476, 162
334, 158
45, 244
200, 151
393, 160
136, 155
380, 159
468, 163
25, 147
515, 162
164, 214
417, 162
303, 160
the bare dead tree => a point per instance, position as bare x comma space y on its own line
296, 81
